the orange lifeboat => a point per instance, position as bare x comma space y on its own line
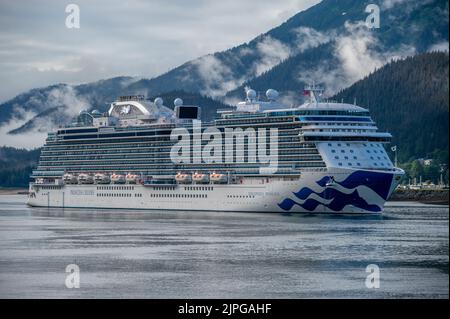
183, 178
218, 178
200, 178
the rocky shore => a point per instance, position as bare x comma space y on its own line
428, 196
13, 191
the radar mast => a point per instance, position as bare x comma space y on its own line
314, 93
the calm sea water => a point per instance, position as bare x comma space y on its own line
126, 254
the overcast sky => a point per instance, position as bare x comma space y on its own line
137, 37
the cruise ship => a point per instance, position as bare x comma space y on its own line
257, 156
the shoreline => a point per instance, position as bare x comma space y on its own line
425, 196
13, 191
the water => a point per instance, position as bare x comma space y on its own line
126, 254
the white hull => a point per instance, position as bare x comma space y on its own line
308, 194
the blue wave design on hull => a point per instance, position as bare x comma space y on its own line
378, 182
340, 200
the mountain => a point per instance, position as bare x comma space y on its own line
328, 43
44, 108
410, 99
337, 49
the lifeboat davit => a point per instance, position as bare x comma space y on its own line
102, 178
118, 179
85, 179
70, 179
132, 178
218, 178
182, 178
200, 178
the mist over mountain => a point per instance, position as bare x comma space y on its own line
329, 43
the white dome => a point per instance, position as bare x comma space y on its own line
272, 94
251, 94
178, 102
158, 102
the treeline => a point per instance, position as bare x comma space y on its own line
16, 166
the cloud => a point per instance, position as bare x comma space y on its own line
67, 96
217, 77
332, 79
356, 54
63, 103
308, 38
28, 140
388, 4
270, 52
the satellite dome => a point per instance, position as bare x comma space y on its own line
158, 102
178, 102
251, 94
272, 94
82, 111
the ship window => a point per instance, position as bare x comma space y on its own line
349, 164
342, 151
333, 151
329, 144
336, 157
340, 164
359, 164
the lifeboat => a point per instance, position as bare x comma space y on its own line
200, 178
102, 178
70, 179
183, 178
118, 179
218, 178
85, 179
132, 178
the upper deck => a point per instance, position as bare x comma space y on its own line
135, 136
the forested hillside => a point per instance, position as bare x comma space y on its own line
16, 166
